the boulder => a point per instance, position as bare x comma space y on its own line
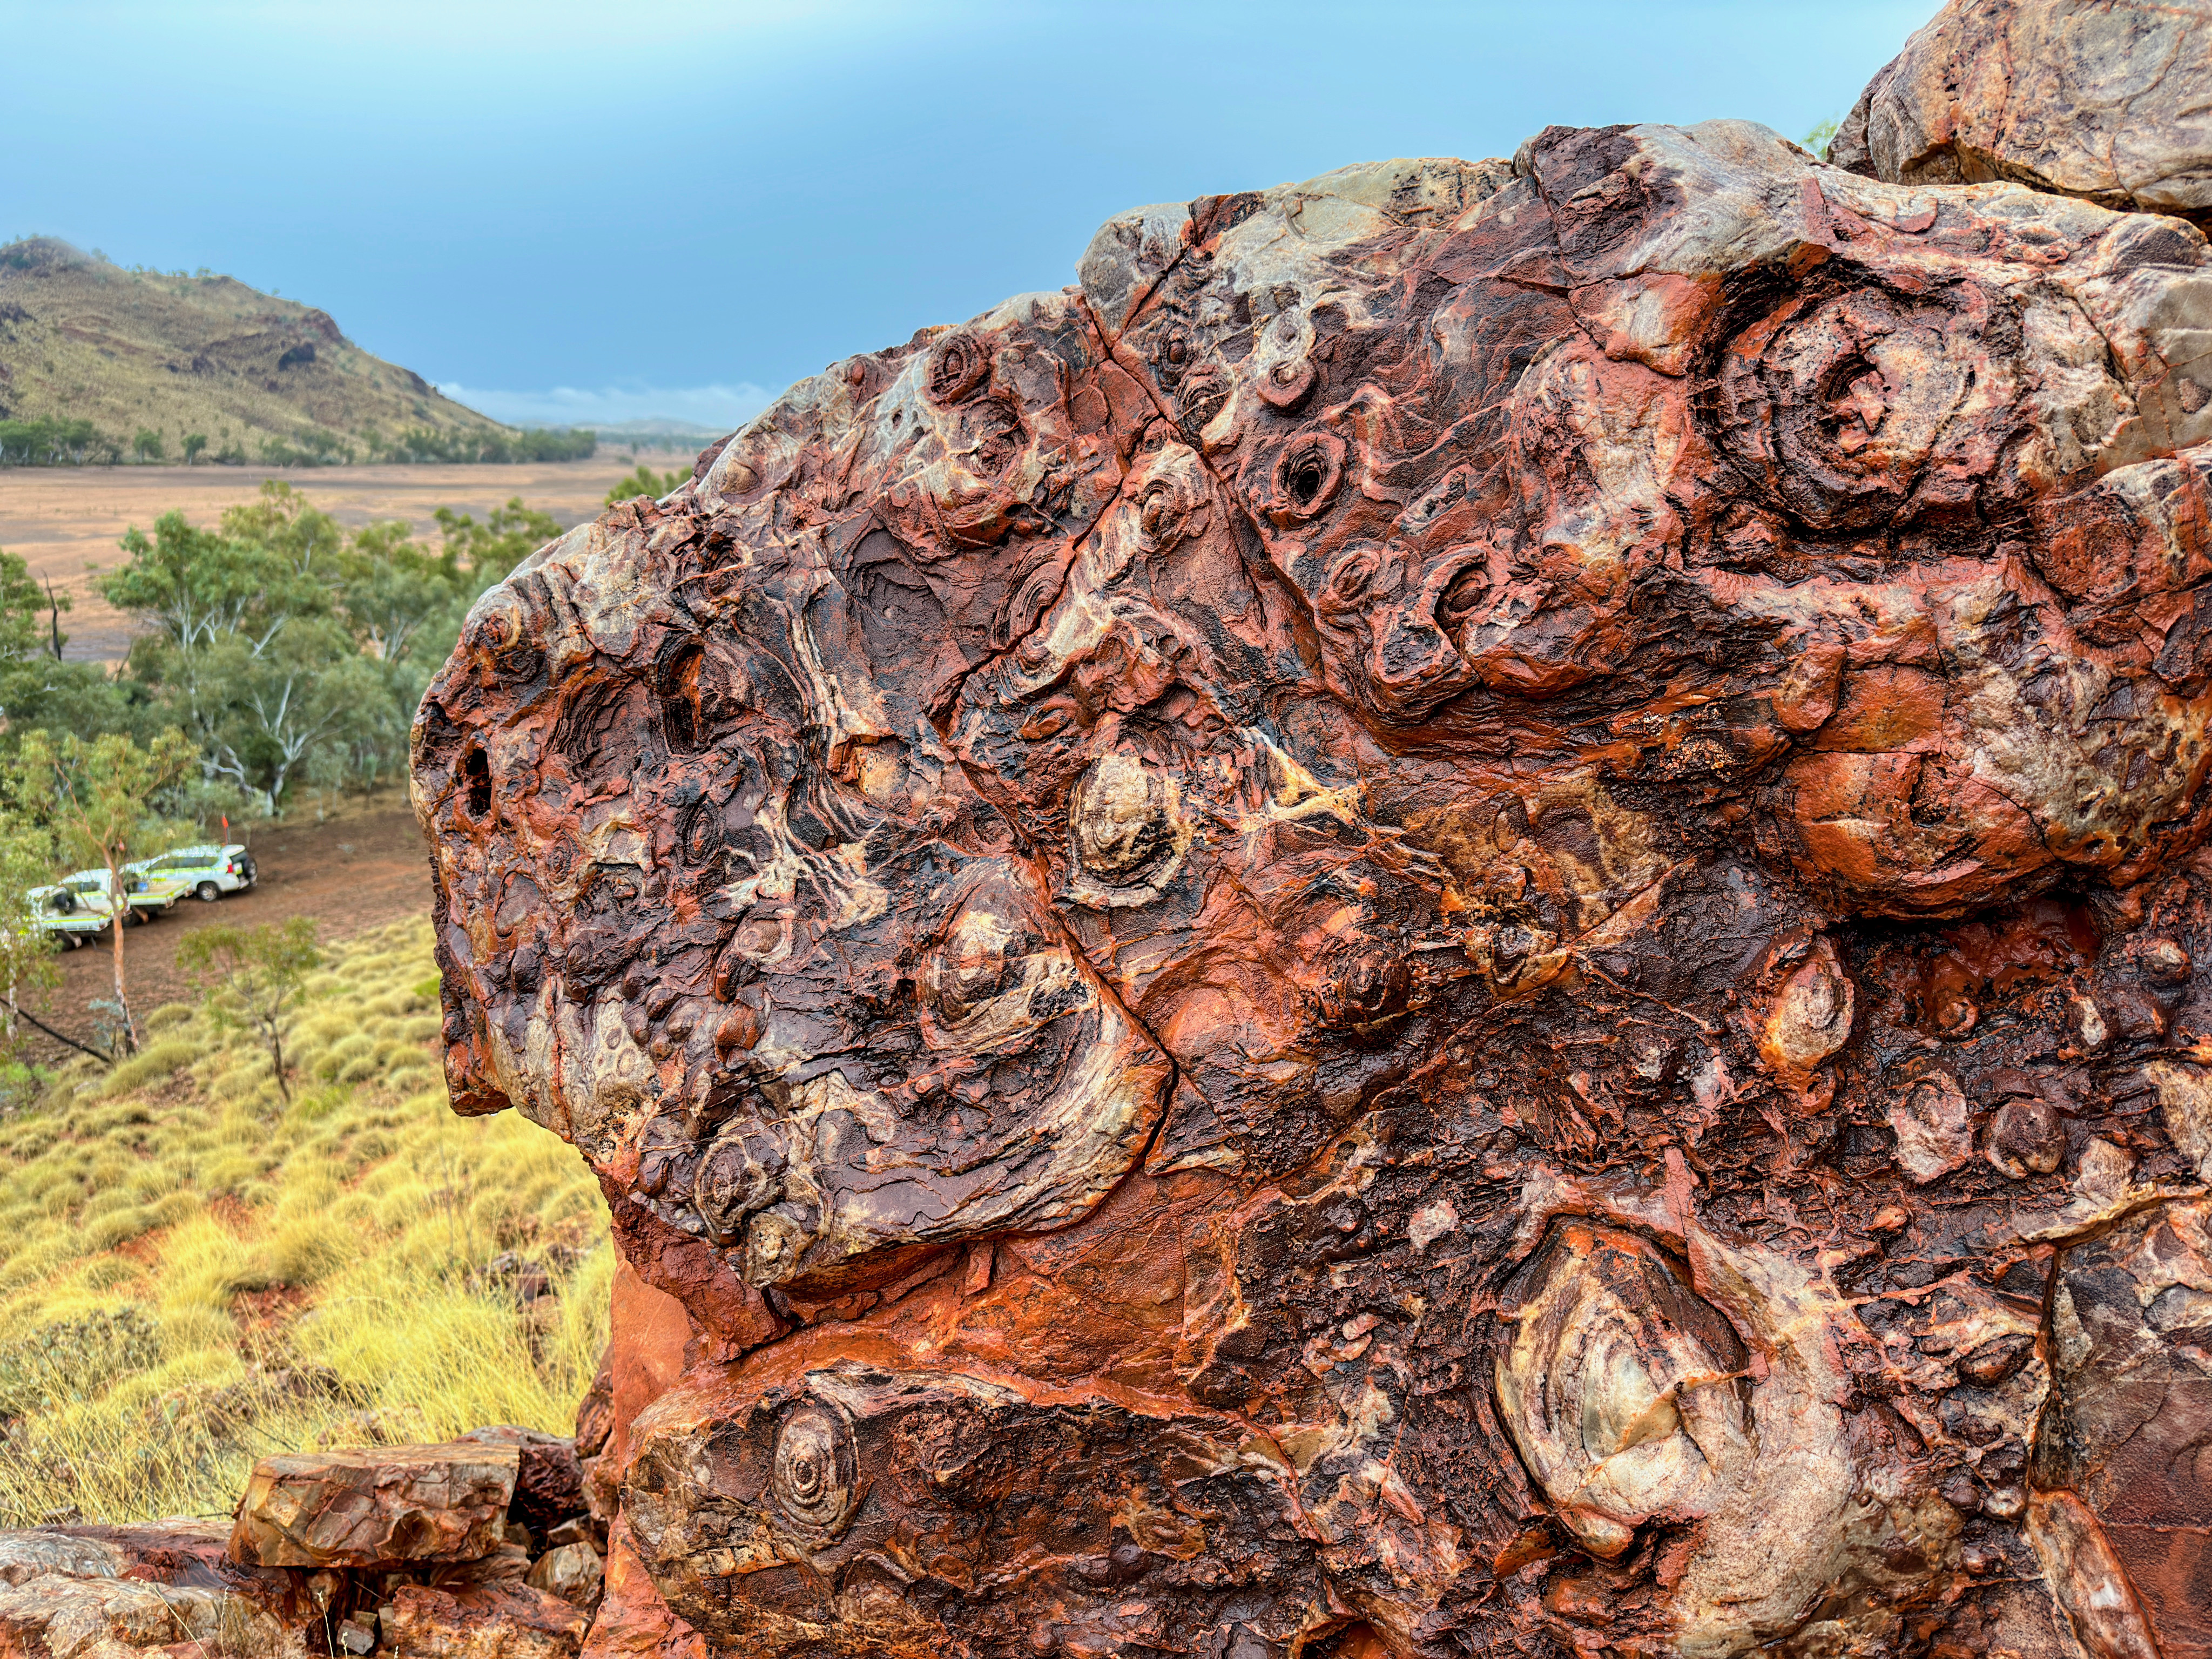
110, 1592
2107, 100
479, 1621
548, 1480
1424, 925
379, 1505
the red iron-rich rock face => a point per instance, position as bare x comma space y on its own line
1460, 916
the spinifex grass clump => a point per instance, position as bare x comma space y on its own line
195, 1273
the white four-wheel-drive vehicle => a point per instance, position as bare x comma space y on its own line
76, 910
78, 906
206, 871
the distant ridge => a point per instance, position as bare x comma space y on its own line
101, 362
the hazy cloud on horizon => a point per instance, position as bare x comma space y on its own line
724, 408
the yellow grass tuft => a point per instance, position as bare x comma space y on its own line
193, 1274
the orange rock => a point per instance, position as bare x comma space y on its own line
383, 1504
633, 1621
479, 1621
1304, 949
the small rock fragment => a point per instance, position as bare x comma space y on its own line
581, 1530
2164, 962
2026, 1138
1810, 1017
2086, 1025
574, 1572
1934, 1129
1997, 1359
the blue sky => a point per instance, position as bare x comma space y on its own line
592, 212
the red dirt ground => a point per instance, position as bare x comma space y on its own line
359, 868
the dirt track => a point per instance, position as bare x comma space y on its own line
351, 872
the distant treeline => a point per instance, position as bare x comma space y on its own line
286, 649
56, 443
421, 443
79, 443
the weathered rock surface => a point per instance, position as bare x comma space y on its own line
549, 1477
163, 1587
2106, 100
479, 1621
381, 1504
574, 1572
634, 1621
1453, 919
2129, 1422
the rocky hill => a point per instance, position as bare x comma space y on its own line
259, 378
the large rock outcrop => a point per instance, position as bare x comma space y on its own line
2107, 100
1461, 916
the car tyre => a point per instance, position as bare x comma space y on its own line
207, 892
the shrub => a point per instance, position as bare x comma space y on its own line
151, 1066
73, 1360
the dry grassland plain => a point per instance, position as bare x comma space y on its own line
60, 520
195, 1273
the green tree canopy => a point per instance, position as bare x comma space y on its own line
287, 648
37, 688
489, 551
645, 482
254, 978
29, 970
23, 611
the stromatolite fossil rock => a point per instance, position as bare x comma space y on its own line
1459, 917
2109, 100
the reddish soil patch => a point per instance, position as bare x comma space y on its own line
257, 1311
355, 870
